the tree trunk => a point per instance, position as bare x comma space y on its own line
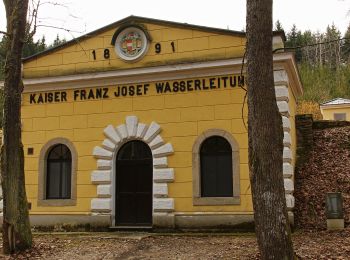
16, 228
265, 135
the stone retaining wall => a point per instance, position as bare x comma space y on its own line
305, 126
304, 130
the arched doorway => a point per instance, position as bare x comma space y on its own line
134, 185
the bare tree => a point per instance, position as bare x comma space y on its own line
265, 137
17, 235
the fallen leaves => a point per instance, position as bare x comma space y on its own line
327, 170
307, 245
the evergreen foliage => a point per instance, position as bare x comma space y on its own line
30, 48
57, 42
323, 61
278, 26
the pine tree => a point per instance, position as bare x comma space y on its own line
294, 40
57, 42
308, 52
346, 46
332, 55
278, 26
30, 47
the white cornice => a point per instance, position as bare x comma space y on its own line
159, 73
287, 60
137, 75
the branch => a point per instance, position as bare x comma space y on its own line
59, 28
63, 5
34, 19
5, 33
69, 31
54, 4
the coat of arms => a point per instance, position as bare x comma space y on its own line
131, 44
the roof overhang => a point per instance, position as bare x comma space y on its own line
136, 75
334, 106
286, 61
282, 61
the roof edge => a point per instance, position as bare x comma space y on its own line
132, 18
329, 101
292, 69
334, 106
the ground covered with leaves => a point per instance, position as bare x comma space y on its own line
134, 245
327, 170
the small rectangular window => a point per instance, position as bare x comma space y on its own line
339, 116
30, 150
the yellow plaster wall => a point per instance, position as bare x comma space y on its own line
182, 116
328, 113
190, 45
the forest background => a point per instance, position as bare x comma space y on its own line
323, 60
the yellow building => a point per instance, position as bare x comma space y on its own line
142, 123
336, 109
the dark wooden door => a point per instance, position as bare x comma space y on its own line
134, 185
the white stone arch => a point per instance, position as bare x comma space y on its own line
104, 175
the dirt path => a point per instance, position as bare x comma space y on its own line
308, 245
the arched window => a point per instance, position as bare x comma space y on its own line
57, 178
216, 167
58, 172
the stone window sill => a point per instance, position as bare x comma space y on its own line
57, 202
212, 201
